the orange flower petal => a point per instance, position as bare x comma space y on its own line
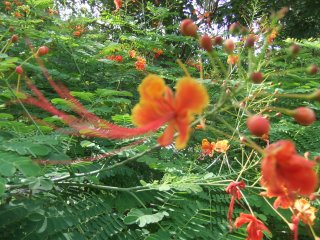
191, 96
184, 132
167, 136
143, 114
222, 146
152, 88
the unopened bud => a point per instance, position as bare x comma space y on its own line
313, 69
206, 43
229, 45
235, 28
188, 28
217, 40
294, 49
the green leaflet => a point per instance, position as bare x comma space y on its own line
143, 217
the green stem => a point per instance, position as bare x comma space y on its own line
215, 58
101, 187
313, 232
107, 168
279, 214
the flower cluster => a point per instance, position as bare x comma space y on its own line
140, 64
8, 5
78, 30
233, 59
157, 52
117, 58
286, 175
208, 148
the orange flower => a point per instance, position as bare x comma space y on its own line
158, 101
140, 64
286, 174
17, 15
77, 33
207, 147
234, 191
132, 53
304, 211
255, 227
233, 59
272, 36
222, 146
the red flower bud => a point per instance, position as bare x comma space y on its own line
206, 43
250, 41
235, 28
19, 70
229, 45
188, 28
43, 50
304, 116
256, 77
294, 49
14, 38
258, 125
313, 69
217, 40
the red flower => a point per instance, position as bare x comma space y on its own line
118, 4
234, 191
255, 227
286, 174
119, 58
